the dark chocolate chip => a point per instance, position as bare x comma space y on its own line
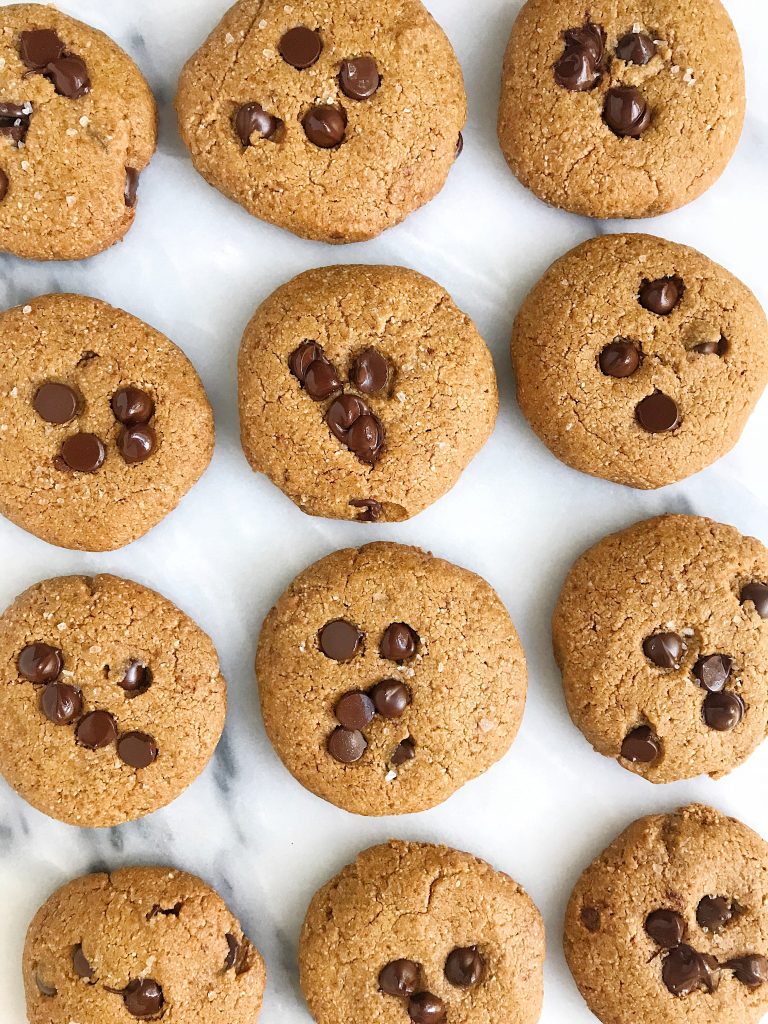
97, 730
40, 47
137, 679
640, 746
370, 372
346, 745
712, 348
69, 76
399, 642
301, 47
311, 367
636, 48
619, 359
424, 1008
459, 146
55, 403
359, 78
80, 964
45, 988
238, 955
252, 119
685, 971
143, 998
355, 710
15, 121
232, 951
3, 185
136, 444
664, 649
404, 751
657, 413
723, 711
40, 663
61, 703
325, 126
626, 111
340, 640
715, 912
352, 422
399, 978
390, 698
464, 967
370, 509
756, 594
579, 67
590, 918
590, 38
137, 749
302, 358
666, 927
661, 296
131, 190
132, 406
713, 671
83, 453
751, 970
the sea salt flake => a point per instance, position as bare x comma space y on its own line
391, 775
27, 310
229, 39
71, 200
263, 23
84, 121
486, 725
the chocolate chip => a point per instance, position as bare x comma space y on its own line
352, 422
234, 949
45, 988
132, 406
83, 453
325, 126
252, 119
80, 964
714, 913
404, 751
355, 710
756, 594
399, 642
137, 749
590, 918
55, 403
589, 38
301, 47
346, 745
459, 146
424, 1008
131, 190
661, 296
3, 185
464, 967
666, 927
339, 640
640, 746
657, 413
636, 48
15, 120
40, 663
370, 372
723, 711
238, 955
359, 78
97, 730
626, 112
399, 978
143, 998
136, 444
137, 679
713, 671
390, 698
579, 67
311, 367
371, 510
664, 649
69, 76
712, 348
685, 971
60, 703
750, 970
619, 359
40, 47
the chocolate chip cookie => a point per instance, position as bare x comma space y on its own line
670, 923
78, 124
364, 392
104, 424
140, 944
639, 360
112, 699
620, 109
422, 934
389, 678
333, 119
661, 634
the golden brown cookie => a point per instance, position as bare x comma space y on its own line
330, 118
669, 924
661, 633
78, 124
112, 699
140, 944
619, 108
104, 424
364, 392
639, 360
412, 932
389, 678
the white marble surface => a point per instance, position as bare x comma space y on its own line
196, 266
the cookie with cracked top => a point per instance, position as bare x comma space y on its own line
639, 360
615, 110
332, 119
141, 943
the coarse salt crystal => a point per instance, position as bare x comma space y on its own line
229, 39
391, 775
27, 310
486, 725
71, 200
263, 23
84, 121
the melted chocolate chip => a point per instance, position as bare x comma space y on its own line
626, 111
69, 76
137, 749
359, 78
339, 640
464, 967
352, 422
97, 730
404, 751
370, 372
40, 47
399, 978
15, 120
459, 146
252, 119
666, 927
370, 510
346, 745
723, 711
143, 998
132, 406
664, 649
136, 444
131, 190
325, 126
685, 971
636, 48
301, 47
424, 1008
390, 698
713, 671
232, 952
45, 988
640, 746
60, 703
657, 413
80, 964
355, 710
3, 185
751, 970
399, 642
40, 663
312, 369
756, 594
619, 359
83, 453
137, 679
712, 348
715, 912
578, 70
56, 403
590, 918
238, 955
661, 296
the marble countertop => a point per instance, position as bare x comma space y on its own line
196, 266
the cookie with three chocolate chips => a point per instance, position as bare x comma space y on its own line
140, 944
617, 110
78, 124
639, 360
112, 700
422, 934
670, 923
333, 119
389, 678
661, 634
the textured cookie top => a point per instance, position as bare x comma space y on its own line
104, 424
364, 392
422, 933
140, 944
620, 109
78, 124
111, 698
331, 118
389, 678
661, 635
670, 923
639, 360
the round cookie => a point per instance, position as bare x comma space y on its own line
78, 124
389, 678
620, 109
422, 934
660, 632
112, 700
333, 119
104, 424
140, 944
364, 392
639, 360
670, 924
